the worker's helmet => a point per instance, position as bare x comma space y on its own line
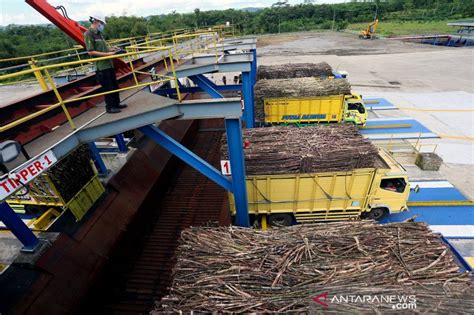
98, 17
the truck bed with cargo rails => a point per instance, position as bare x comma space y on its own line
285, 199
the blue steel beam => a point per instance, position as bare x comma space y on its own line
196, 89
247, 91
122, 146
253, 66
109, 125
13, 222
237, 165
187, 156
187, 70
207, 85
98, 162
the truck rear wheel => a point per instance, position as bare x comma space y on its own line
280, 219
376, 213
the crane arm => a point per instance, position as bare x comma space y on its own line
68, 26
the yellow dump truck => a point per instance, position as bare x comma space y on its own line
318, 109
329, 196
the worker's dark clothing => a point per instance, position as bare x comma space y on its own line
105, 71
95, 42
108, 81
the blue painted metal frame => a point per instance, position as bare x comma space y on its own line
18, 228
122, 146
197, 89
186, 156
458, 255
234, 139
253, 66
98, 162
237, 165
206, 85
247, 92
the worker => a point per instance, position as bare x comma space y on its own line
105, 73
224, 80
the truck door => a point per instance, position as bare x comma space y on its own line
392, 193
356, 113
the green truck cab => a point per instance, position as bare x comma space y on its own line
355, 111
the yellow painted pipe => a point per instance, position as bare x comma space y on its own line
461, 110
38, 76
73, 63
440, 203
456, 137
386, 126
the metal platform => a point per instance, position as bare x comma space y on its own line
382, 129
240, 62
378, 104
445, 209
144, 108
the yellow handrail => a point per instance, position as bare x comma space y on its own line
154, 36
181, 43
63, 102
42, 54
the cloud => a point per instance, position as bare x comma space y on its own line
82, 9
22, 18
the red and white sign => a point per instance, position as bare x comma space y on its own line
225, 167
13, 181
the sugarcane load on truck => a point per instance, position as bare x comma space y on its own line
295, 70
308, 100
319, 173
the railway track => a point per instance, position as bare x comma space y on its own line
139, 272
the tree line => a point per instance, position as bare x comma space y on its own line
16, 40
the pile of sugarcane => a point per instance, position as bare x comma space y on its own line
231, 269
319, 148
296, 88
71, 173
294, 70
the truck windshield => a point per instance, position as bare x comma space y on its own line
393, 184
356, 106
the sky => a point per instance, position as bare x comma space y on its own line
19, 12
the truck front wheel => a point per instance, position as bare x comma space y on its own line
376, 213
280, 219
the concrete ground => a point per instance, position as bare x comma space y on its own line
431, 84
10, 93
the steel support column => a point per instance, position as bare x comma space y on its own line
122, 146
237, 165
187, 156
254, 65
247, 91
18, 227
98, 162
207, 85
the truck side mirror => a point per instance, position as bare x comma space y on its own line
416, 189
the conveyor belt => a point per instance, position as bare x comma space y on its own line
138, 276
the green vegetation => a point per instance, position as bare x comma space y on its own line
407, 27
396, 16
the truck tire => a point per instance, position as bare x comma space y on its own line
376, 213
280, 219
